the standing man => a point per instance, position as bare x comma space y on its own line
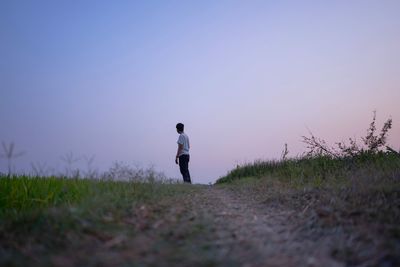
182, 155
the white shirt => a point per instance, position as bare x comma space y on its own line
184, 140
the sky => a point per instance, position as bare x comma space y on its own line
112, 79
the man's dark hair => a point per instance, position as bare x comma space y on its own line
180, 127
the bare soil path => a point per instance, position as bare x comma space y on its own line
230, 226
250, 233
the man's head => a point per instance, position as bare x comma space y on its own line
179, 127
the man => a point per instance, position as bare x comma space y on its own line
182, 155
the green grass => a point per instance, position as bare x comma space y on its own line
362, 190
46, 217
35, 202
22, 193
42, 216
44, 203
318, 171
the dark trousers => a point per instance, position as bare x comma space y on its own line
184, 167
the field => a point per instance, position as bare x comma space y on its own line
311, 211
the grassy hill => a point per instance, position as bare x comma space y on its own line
357, 195
325, 210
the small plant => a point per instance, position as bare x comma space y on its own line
91, 172
318, 147
285, 152
352, 150
70, 160
121, 171
372, 143
40, 169
10, 154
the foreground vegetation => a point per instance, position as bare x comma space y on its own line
42, 217
21, 194
357, 198
322, 164
345, 192
322, 170
346, 208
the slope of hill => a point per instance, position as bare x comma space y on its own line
309, 212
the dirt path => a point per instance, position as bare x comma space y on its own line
226, 226
249, 233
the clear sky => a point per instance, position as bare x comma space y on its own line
112, 78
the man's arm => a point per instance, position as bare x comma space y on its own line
180, 148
